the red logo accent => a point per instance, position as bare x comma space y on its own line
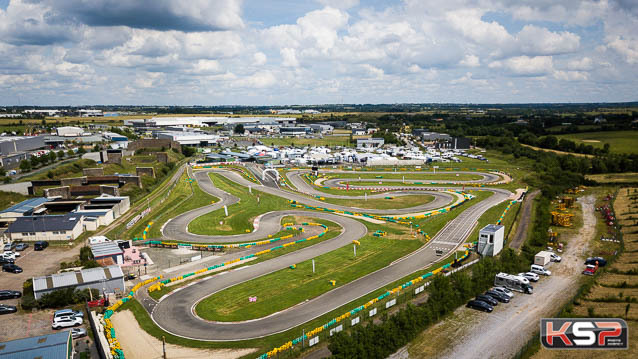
617, 329
550, 333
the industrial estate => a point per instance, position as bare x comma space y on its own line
291, 236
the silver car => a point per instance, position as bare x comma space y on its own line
78, 333
504, 291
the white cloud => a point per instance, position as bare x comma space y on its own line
260, 79
289, 57
339, 4
628, 49
470, 61
259, 58
525, 65
534, 40
582, 64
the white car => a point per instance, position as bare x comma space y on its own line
11, 254
535, 268
555, 257
530, 276
66, 322
504, 291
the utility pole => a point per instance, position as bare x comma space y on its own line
164, 346
313, 266
354, 246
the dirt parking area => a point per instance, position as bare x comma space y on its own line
37, 263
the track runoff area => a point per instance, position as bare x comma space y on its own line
306, 192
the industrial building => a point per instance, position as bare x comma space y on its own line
205, 121
455, 143
69, 131
65, 227
13, 149
490, 241
58, 345
370, 142
27, 207
435, 136
189, 138
321, 128
105, 279
295, 131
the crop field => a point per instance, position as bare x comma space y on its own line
630, 177
619, 141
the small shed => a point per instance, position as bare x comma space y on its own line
105, 279
490, 241
107, 253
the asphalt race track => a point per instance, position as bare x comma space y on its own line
175, 312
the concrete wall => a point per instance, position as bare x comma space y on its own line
78, 181
114, 158
63, 192
132, 179
93, 171
153, 143
162, 157
112, 190
145, 171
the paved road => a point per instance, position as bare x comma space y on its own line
177, 228
175, 313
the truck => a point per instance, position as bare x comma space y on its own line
513, 282
542, 258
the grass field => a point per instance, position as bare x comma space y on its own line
614, 177
240, 215
492, 215
287, 287
181, 200
383, 203
8, 199
619, 141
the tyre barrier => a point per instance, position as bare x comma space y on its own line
393, 219
114, 344
500, 219
317, 330
162, 283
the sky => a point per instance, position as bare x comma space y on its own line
287, 52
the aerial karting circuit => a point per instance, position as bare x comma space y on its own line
175, 312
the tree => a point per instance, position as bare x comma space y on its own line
70, 153
3, 172
188, 151
35, 161
25, 165
81, 150
60, 154
239, 129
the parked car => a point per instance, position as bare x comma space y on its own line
11, 267
7, 309
11, 254
532, 277
480, 305
6, 260
535, 268
22, 246
66, 322
498, 296
590, 270
504, 291
78, 333
487, 299
9, 246
592, 261
555, 257
9, 294
40, 245
68, 313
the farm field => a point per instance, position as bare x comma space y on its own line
614, 177
619, 141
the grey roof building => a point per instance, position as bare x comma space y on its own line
50, 346
106, 252
46, 228
24, 208
105, 279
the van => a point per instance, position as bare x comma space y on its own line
535, 268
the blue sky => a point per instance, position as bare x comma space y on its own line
279, 52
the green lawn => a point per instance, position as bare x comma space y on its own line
240, 215
179, 201
333, 231
425, 176
287, 287
619, 141
383, 203
8, 199
492, 215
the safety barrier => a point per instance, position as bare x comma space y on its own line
317, 330
114, 344
162, 283
500, 219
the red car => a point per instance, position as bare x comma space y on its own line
590, 270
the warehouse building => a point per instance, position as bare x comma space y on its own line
49, 346
69, 131
370, 143
105, 279
189, 138
65, 227
27, 207
13, 149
